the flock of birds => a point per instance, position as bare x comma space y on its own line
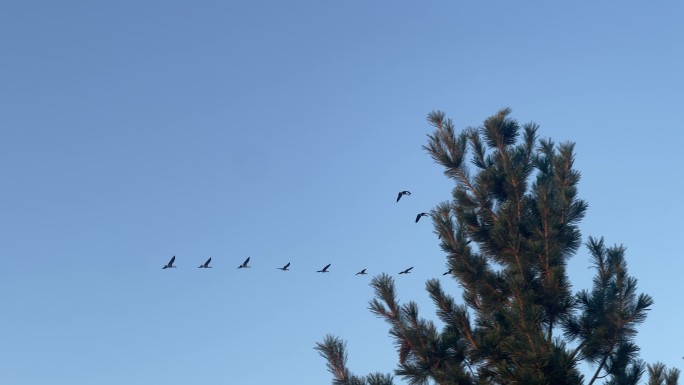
420, 215
245, 264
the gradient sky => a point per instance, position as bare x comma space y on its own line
132, 131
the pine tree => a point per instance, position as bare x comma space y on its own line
508, 233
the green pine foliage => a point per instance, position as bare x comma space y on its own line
659, 375
508, 233
334, 351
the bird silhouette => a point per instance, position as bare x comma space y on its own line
325, 269
402, 193
420, 216
406, 271
362, 272
244, 264
284, 268
170, 264
448, 272
205, 265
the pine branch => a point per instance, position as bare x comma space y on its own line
672, 376
658, 374
334, 350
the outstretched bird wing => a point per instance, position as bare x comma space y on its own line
206, 264
398, 197
246, 261
170, 263
286, 266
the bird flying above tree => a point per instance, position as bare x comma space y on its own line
401, 193
362, 272
406, 271
205, 265
170, 264
420, 216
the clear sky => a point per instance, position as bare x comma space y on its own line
132, 131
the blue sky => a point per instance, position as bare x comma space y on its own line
132, 131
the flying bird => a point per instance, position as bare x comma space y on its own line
402, 193
448, 272
362, 272
407, 270
325, 269
170, 264
206, 265
421, 215
244, 264
284, 268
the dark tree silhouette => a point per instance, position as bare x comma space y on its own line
508, 233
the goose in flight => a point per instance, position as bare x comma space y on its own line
325, 269
284, 268
205, 265
244, 264
406, 271
170, 264
362, 272
420, 216
402, 193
